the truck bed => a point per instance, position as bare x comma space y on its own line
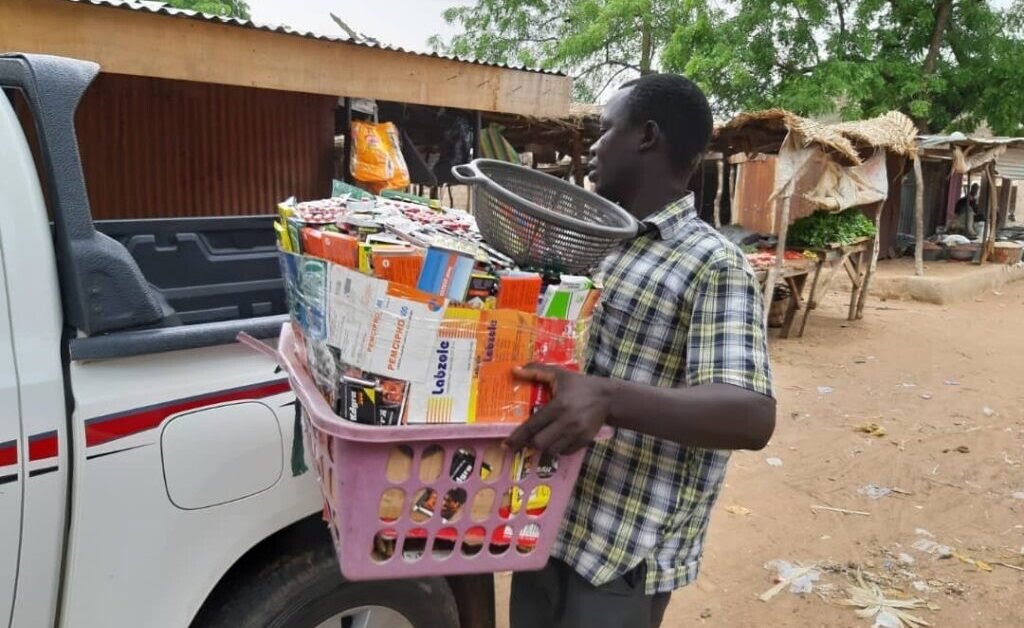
207, 269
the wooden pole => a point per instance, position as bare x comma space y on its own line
478, 131
578, 173
873, 263
918, 217
1004, 202
734, 176
780, 254
346, 160
989, 241
718, 193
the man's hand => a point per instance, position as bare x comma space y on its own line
579, 407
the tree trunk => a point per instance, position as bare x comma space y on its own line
646, 46
942, 13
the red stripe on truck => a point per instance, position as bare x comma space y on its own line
8, 453
110, 427
43, 446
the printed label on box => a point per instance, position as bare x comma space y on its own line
401, 336
352, 297
505, 342
449, 394
313, 291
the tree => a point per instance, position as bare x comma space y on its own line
223, 8
600, 41
948, 64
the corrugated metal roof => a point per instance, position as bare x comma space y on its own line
1010, 164
366, 42
960, 139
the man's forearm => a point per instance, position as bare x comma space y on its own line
715, 416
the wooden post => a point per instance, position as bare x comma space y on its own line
873, 263
918, 217
478, 130
718, 193
346, 160
989, 240
780, 254
1004, 202
577, 158
734, 176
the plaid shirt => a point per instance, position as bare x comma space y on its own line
680, 307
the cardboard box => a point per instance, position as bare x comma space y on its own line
519, 291
506, 340
449, 393
446, 273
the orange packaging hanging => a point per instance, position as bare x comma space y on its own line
377, 159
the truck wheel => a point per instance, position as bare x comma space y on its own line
306, 590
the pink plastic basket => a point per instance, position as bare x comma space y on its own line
356, 468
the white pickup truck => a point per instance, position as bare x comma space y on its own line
152, 472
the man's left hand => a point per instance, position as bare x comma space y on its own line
578, 408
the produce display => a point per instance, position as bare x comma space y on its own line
822, 229
763, 260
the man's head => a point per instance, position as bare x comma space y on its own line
659, 125
975, 188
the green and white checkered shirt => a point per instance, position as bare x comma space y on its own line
681, 307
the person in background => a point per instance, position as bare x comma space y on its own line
677, 361
966, 213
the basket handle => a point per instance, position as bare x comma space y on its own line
256, 345
468, 173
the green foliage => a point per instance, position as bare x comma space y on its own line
823, 228
223, 8
602, 42
865, 57
949, 64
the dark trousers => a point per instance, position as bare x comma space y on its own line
557, 597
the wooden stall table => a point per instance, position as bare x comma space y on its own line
795, 278
850, 257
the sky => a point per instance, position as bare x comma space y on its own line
404, 23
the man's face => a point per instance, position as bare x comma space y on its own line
613, 157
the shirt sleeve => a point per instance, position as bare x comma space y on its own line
727, 342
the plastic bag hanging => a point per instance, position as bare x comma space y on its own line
377, 159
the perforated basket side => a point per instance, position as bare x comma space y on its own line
352, 464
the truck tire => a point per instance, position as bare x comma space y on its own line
306, 590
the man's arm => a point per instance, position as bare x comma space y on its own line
725, 402
716, 416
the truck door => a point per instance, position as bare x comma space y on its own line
12, 474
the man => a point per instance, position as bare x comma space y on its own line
966, 213
677, 362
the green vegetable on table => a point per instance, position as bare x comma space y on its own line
823, 228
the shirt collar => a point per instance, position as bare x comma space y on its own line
670, 220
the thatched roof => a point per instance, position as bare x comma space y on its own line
893, 131
764, 132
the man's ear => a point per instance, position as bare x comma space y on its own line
650, 135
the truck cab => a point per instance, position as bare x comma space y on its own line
152, 470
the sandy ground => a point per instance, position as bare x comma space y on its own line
944, 384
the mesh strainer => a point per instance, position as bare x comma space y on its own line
541, 221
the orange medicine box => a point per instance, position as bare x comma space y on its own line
505, 341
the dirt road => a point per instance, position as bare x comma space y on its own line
944, 383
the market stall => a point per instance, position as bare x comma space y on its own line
965, 159
815, 170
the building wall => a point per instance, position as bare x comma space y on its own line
164, 148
